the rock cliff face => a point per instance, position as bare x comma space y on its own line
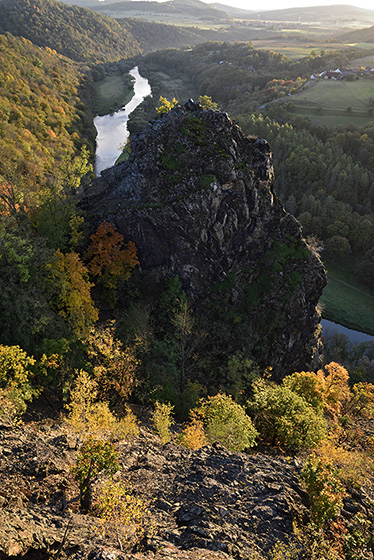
196, 196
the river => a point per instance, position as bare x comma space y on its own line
112, 130
355, 337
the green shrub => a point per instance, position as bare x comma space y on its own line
226, 421
285, 418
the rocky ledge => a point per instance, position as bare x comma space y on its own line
206, 504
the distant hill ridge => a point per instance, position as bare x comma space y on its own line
86, 36
360, 36
191, 7
323, 14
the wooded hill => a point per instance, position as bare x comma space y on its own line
86, 36
361, 35
78, 33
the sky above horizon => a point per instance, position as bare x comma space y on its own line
282, 4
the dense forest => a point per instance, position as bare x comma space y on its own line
78, 33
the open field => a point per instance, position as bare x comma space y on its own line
345, 301
334, 103
365, 60
294, 48
112, 93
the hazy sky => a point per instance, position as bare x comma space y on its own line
280, 4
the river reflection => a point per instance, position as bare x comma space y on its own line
112, 130
355, 337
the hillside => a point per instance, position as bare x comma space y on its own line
78, 33
180, 8
326, 15
359, 36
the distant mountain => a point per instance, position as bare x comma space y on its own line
360, 36
196, 8
324, 14
78, 33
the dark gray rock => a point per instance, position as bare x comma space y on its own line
196, 196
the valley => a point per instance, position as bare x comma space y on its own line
167, 389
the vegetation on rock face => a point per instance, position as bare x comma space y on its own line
123, 514
16, 372
162, 420
284, 418
324, 488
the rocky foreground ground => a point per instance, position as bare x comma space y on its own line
205, 504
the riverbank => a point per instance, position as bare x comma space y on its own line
114, 91
112, 130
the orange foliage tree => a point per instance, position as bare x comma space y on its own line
109, 259
336, 387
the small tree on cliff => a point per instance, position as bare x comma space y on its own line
95, 457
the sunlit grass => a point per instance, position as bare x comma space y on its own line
345, 301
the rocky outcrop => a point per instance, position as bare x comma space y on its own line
207, 504
202, 502
196, 196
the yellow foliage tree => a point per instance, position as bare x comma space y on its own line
336, 389
87, 417
122, 514
193, 436
70, 291
15, 386
165, 105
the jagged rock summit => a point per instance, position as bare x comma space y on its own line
196, 196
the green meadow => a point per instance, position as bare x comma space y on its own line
345, 301
112, 93
336, 102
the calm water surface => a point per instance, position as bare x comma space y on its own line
112, 130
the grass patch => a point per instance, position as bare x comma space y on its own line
344, 300
112, 93
327, 102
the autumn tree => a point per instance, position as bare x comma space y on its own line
336, 388
207, 103
95, 457
166, 105
71, 292
15, 387
114, 365
87, 416
109, 259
